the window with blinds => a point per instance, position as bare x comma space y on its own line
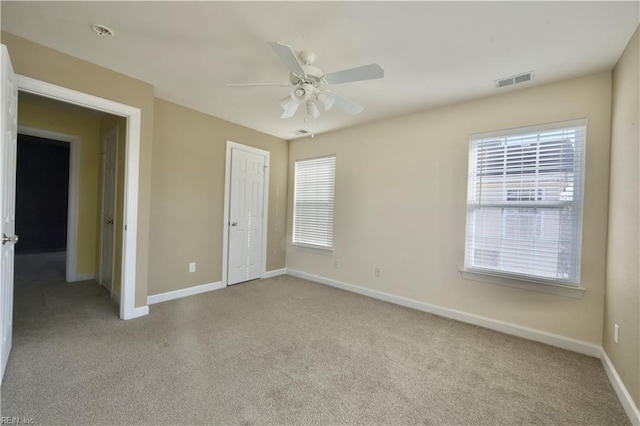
314, 185
524, 202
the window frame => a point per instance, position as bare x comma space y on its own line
305, 245
569, 286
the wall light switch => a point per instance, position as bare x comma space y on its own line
616, 333
192, 267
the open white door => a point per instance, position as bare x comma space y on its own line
245, 216
109, 173
8, 144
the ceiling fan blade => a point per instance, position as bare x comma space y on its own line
365, 72
346, 104
290, 109
257, 84
288, 56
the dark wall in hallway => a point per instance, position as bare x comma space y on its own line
42, 193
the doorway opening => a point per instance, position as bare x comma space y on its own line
42, 195
130, 136
67, 190
73, 143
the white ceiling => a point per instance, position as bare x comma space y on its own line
433, 53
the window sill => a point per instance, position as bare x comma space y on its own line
312, 249
525, 284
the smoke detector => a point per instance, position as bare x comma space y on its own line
514, 79
101, 30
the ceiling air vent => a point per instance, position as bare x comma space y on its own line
514, 79
300, 132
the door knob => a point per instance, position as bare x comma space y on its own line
109, 222
234, 223
13, 239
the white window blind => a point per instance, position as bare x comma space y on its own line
313, 201
524, 203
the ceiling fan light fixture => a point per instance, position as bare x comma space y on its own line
302, 93
327, 100
298, 94
290, 109
312, 110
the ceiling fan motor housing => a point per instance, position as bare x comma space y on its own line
312, 75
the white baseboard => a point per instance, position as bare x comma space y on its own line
190, 291
504, 327
81, 277
139, 312
274, 273
177, 294
621, 390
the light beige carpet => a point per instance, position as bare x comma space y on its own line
284, 351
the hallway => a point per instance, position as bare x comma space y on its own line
42, 294
39, 267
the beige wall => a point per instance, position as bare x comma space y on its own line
622, 301
187, 196
107, 123
87, 128
45, 64
401, 205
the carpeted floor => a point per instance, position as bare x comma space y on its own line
284, 351
37, 267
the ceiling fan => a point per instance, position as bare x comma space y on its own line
308, 83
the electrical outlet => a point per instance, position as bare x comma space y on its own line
192, 267
377, 272
616, 333
336, 264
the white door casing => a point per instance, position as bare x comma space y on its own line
245, 213
108, 209
8, 142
